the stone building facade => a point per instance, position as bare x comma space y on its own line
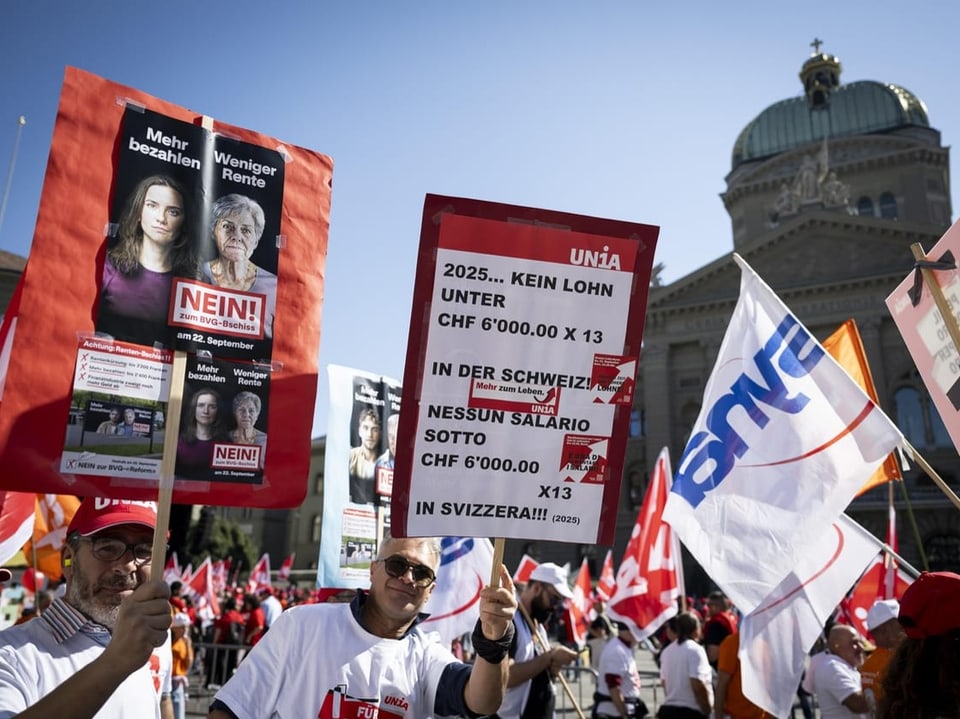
827, 192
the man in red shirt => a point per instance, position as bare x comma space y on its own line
720, 624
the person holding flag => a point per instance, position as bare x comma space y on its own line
533, 662
834, 675
87, 655
784, 440
921, 678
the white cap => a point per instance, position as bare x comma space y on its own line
550, 573
882, 611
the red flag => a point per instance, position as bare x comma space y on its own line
853, 609
527, 565
284, 573
16, 508
648, 584
8, 327
607, 584
171, 570
221, 569
32, 580
200, 587
579, 610
260, 575
16, 522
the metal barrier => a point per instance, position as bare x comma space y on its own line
582, 681
213, 664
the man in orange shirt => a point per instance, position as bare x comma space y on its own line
730, 701
887, 634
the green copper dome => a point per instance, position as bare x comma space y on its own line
855, 109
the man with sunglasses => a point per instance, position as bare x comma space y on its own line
87, 654
534, 664
369, 657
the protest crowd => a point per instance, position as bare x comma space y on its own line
804, 612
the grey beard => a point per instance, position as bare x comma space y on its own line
105, 615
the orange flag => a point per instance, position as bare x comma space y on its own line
846, 347
52, 516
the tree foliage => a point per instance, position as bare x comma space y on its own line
220, 539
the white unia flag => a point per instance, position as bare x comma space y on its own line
776, 636
466, 565
784, 440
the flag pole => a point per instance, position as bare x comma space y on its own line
538, 640
170, 440
889, 563
498, 546
913, 525
931, 472
889, 550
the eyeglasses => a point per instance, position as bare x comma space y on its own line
107, 549
553, 596
398, 567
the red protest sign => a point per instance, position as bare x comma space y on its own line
524, 341
158, 232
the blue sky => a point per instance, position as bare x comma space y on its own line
627, 110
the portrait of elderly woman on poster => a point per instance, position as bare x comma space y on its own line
153, 245
237, 224
246, 412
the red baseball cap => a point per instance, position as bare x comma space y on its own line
929, 605
98, 513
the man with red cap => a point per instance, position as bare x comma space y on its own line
921, 677
87, 655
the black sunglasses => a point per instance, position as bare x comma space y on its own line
398, 566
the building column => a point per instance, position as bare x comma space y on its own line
656, 398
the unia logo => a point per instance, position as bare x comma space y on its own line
340, 705
713, 451
101, 503
604, 260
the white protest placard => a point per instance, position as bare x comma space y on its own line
520, 372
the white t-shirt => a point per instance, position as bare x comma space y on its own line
679, 663
271, 609
617, 658
317, 660
515, 699
832, 680
33, 663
